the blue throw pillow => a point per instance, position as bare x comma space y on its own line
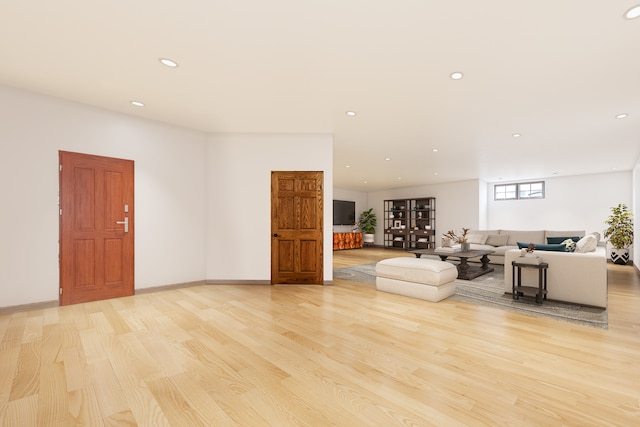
555, 240
559, 247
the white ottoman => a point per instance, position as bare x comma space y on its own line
426, 279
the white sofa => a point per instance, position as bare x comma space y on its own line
572, 277
500, 241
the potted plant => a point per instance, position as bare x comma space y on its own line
461, 239
367, 222
620, 233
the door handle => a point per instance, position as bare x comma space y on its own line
275, 235
126, 224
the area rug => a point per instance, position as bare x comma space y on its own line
488, 290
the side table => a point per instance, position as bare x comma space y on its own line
518, 290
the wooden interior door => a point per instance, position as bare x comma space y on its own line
96, 228
297, 227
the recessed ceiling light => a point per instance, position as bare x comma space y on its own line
621, 116
348, 166
387, 158
138, 103
351, 113
435, 150
633, 13
399, 177
168, 62
516, 135
457, 75
364, 182
435, 173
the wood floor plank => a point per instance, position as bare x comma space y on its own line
173, 404
53, 399
14, 330
145, 408
84, 408
107, 387
21, 412
77, 375
200, 401
26, 378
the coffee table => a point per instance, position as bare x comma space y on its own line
465, 271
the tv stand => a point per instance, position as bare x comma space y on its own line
348, 240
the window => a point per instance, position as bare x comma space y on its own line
505, 192
531, 190
520, 190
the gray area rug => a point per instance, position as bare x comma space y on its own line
488, 290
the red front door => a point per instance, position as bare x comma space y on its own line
96, 228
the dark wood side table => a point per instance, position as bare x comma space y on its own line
540, 292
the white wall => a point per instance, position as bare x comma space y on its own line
239, 198
360, 197
483, 207
169, 198
580, 202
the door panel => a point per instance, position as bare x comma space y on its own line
297, 227
113, 254
96, 253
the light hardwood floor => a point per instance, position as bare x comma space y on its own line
342, 355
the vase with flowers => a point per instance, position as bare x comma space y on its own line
460, 239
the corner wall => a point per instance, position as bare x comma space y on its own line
169, 194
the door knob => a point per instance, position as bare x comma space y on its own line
126, 224
275, 234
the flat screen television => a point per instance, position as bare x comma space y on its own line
344, 212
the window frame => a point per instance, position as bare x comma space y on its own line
517, 196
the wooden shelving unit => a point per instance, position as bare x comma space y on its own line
410, 223
422, 230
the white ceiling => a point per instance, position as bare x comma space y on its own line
555, 71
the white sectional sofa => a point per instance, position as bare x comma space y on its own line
572, 276
500, 241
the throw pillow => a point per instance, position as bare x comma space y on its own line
596, 235
559, 247
478, 239
497, 240
554, 240
570, 244
587, 244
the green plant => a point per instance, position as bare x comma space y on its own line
620, 230
368, 221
